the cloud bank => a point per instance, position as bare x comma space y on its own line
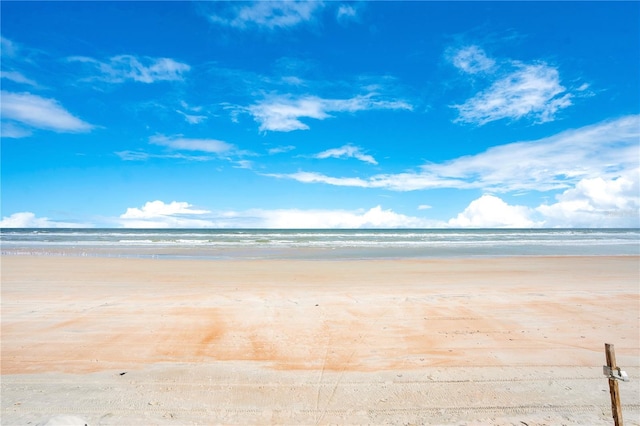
157, 214
593, 203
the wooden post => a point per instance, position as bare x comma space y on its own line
616, 409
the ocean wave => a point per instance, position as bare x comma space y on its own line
416, 242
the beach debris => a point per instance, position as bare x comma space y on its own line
123, 373
615, 373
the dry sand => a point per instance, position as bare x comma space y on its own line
458, 341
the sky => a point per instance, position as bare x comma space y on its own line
320, 114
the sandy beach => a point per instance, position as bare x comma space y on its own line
505, 341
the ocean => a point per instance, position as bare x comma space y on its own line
319, 244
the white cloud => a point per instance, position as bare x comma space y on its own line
472, 60
17, 77
375, 217
530, 91
395, 182
154, 209
346, 12
583, 87
603, 150
268, 14
191, 118
490, 211
219, 148
597, 202
592, 203
191, 115
133, 155
12, 130
518, 90
203, 145
41, 113
424, 207
7, 47
157, 214
122, 68
29, 220
412, 181
243, 164
281, 149
190, 108
348, 151
292, 80
283, 114
311, 177
143, 156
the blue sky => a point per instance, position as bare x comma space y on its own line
320, 114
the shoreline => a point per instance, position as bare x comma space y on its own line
396, 244
318, 341
313, 255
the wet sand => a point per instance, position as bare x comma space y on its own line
447, 341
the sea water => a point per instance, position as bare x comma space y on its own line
319, 244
